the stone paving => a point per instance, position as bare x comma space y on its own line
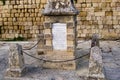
111, 60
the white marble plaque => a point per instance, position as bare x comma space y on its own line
59, 33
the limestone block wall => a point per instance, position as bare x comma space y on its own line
23, 18
99, 16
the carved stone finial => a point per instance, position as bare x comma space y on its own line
95, 40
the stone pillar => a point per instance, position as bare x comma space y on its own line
96, 71
16, 61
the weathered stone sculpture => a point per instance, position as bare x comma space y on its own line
60, 7
96, 70
16, 61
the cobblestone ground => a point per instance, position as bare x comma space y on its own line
111, 60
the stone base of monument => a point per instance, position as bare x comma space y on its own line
15, 73
57, 56
65, 65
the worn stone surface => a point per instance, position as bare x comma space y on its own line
96, 64
16, 66
110, 61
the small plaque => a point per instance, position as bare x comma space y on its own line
59, 33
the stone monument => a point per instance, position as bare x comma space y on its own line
60, 33
16, 61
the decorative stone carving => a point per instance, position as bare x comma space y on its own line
60, 7
16, 61
96, 64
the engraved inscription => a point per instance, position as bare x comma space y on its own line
59, 36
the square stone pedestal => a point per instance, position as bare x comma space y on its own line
59, 42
